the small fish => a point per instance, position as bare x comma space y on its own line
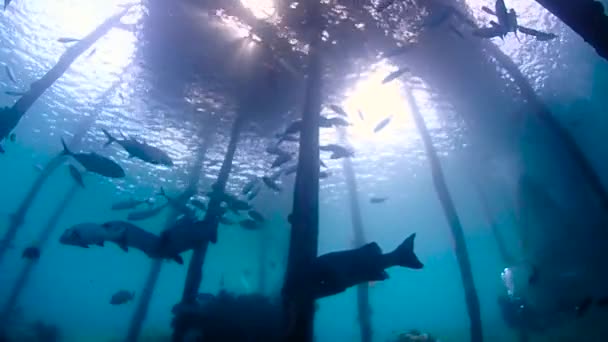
338, 122
338, 110
271, 184
65, 40
122, 297
378, 199
382, 124
14, 93
199, 204
361, 115
281, 159
395, 74
130, 203
141, 150
146, 214
226, 221
10, 74
254, 193
256, 215
250, 185
95, 163
540, 36
322, 163
92, 52
31, 253
323, 174
76, 175
249, 224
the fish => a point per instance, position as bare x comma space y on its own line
361, 115
293, 128
270, 183
338, 110
338, 122
382, 124
337, 151
376, 200
127, 235
199, 204
488, 32
12, 137
256, 215
95, 163
31, 253
281, 159
540, 36
250, 185
394, 75
146, 214
333, 273
323, 174
122, 297
141, 150
324, 122
130, 203
14, 93
184, 235
66, 40
86, 234
10, 74
92, 52
76, 175
500, 10
254, 193
249, 224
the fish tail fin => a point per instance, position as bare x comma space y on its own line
404, 254
66, 151
111, 139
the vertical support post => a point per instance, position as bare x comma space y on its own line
460, 247
363, 305
141, 311
545, 116
303, 244
194, 277
10, 117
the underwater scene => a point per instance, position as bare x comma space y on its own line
318, 170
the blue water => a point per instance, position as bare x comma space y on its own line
482, 126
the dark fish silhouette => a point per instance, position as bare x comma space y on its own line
337, 151
338, 122
226, 221
338, 110
323, 174
140, 150
122, 297
281, 159
335, 272
76, 175
541, 36
395, 74
146, 214
14, 93
270, 183
184, 235
361, 115
130, 203
95, 163
378, 199
249, 224
31, 253
256, 215
382, 124
9, 73
65, 40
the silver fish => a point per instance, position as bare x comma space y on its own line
382, 124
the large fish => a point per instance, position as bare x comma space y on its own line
122, 297
127, 235
335, 272
140, 150
86, 234
185, 234
95, 163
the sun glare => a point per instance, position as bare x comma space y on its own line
370, 102
261, 9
